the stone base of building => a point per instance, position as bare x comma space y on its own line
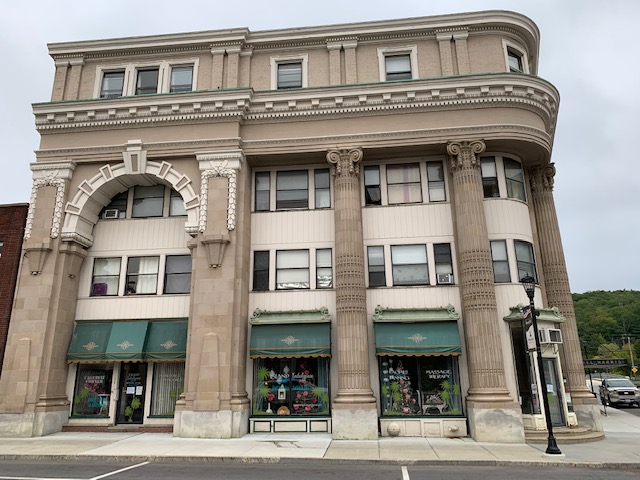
277, 424
423, 427
356, 424
589, 416
32, 424
220, 424
501, 424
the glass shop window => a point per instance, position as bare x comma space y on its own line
168, 384
420, 386
92, 391
291, 386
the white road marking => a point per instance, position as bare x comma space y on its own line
31, 478
118, 471
405, 473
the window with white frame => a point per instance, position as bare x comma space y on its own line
375, 261
525, 260
372, 192
435, 177
142, 275
112, 84
514, 178
322, 188
500, 260
146, 202
399, 63
515, 58
106, 277
292, 269
289, 72
147, 81
404, 184
409, 265
260, 271
292, 189
181, 79
444, 263
176, 205
489, 177
324, 270
177, 274
262, 192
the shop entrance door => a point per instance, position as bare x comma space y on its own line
554, 392
133, 380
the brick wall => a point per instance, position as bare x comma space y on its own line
12, 222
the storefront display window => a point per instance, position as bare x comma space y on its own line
92, 391
420, 386
291, 386
168, 384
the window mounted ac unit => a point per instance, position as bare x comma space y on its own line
445, 279
550, 335
111, 213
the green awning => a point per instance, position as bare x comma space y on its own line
413, 339
166, 340
89, 341
290, 340
127, 340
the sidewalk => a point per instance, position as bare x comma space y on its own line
620, 449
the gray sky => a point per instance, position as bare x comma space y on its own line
588, 51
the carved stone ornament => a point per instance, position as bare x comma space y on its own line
542, 178
215, 246
345, 161
465, 154
219, 165
53, 175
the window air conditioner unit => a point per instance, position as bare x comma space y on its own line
111, 213
445, 279
550, 335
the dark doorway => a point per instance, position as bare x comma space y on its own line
133, 381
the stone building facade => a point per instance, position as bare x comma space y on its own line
12, 221
319, 229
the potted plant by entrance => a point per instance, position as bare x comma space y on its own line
131, 408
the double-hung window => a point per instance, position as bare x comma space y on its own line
403, 184
148, 201
262, 192
176, 205
322, 189
106, 277
260, 271
489, 177
177, 275
444, 263
112, 84
142, 275
324, 270
292, 190
181, 79
375, 259
525, 260
514, 58
514, 177
500, 261
292, 269
397, 67
372, 193
147, 81
289, 75
409, 264
435, 177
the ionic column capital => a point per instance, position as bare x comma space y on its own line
345, 162
542, 178
465, 154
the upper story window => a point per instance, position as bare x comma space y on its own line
525, 260
292, 189
289, 72
372, 193
177, 274
324, 269
181, 79
409, 265
510, 184
398, 63
292, 269
260, 271
145, 202
500, 261
375, 260
515, 58
444, 263
404, 184
142, 275
112, 84
435, 176
147, 81
106, 276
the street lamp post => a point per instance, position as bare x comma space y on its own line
529, 284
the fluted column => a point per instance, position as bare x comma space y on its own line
354, 409
487, 384
556, 282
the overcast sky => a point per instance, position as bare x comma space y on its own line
589, 51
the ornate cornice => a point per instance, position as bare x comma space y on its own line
54, 175
222, 164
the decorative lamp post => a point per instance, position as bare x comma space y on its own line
529, 284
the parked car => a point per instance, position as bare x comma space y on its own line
619, 391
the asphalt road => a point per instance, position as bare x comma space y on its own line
79, 470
